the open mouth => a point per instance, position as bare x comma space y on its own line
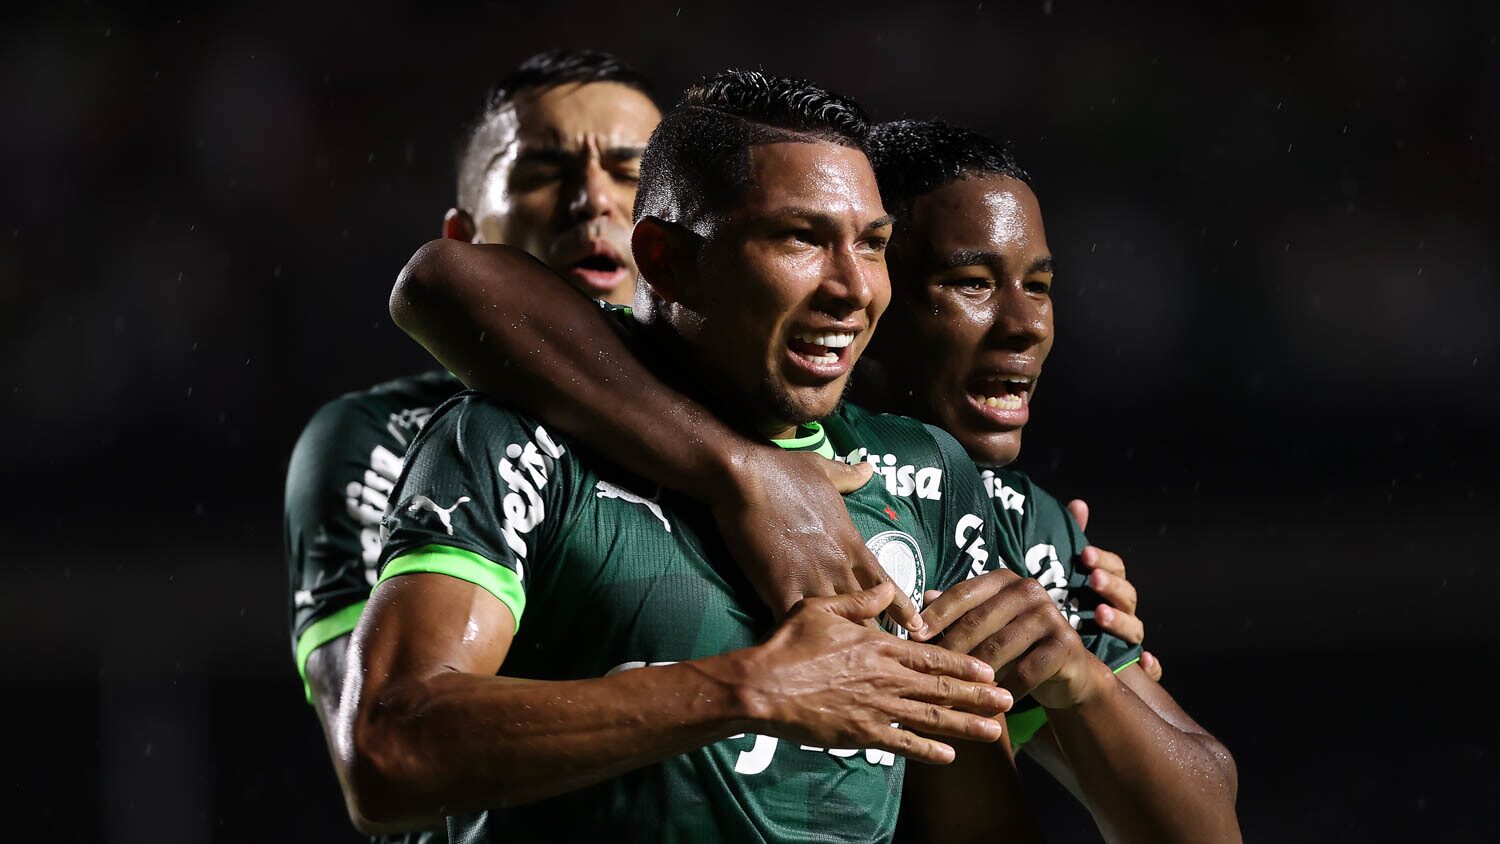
600, 270
1002, 398
823, 353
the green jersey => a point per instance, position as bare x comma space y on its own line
1050, 544
605, 572
342, 469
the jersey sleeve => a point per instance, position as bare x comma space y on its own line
341, 471
486, 495
969, 542
1053, 545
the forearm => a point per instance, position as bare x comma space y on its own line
1144, 779
456, 742
505, 324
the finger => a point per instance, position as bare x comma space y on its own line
931, 595
868, 572
856, 606
1098, 559
1019, 597
962, 597
1080, 511
1151, 665
931, 659
1036, 667
912, 746
1123, 625
844, 477
1120, 593
976, 698
937, 721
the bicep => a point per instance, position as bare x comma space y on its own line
417, 625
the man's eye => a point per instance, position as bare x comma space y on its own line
797, 235
1039, 287
970, 285
876, 244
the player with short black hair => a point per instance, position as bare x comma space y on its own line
549, 165
654, 705
1117, 753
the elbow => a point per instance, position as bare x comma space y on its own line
417, 280
382, 783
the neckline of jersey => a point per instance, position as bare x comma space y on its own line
809, 437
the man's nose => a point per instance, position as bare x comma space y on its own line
590, 193
851, 282
1021, 319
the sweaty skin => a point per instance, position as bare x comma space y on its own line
805, 246
553, 174
423, 739
973, 321
556, 176
1088, 700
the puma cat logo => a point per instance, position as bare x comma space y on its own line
605, 489
445, 516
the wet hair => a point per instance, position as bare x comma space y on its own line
541, 72
913, 158
698, 159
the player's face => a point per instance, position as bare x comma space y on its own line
794, 280
973, 317
565, 188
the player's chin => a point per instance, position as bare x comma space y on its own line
989, 447
809, 403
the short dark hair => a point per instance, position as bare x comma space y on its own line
699, 156
916, 157
541, 72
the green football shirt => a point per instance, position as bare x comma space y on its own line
1050, 545
605, 572
342, 470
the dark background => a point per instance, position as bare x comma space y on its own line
1274, 381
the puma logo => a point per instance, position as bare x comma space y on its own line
445, 516
605, 489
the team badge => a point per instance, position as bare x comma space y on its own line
901, 558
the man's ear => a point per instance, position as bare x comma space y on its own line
666, 255
458, 225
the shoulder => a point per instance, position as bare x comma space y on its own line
1014, 491
889, 438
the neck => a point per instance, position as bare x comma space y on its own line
667, 352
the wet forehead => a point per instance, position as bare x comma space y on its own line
988, 213
573, 116
818, 177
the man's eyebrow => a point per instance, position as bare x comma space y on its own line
820, 217
981, 257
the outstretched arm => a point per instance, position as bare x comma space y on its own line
509, 326
432, 731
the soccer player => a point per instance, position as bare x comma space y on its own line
988, 232
962, 347
653, 705
550, 166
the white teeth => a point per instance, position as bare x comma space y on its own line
836, 340
1007, 402
1018, 379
